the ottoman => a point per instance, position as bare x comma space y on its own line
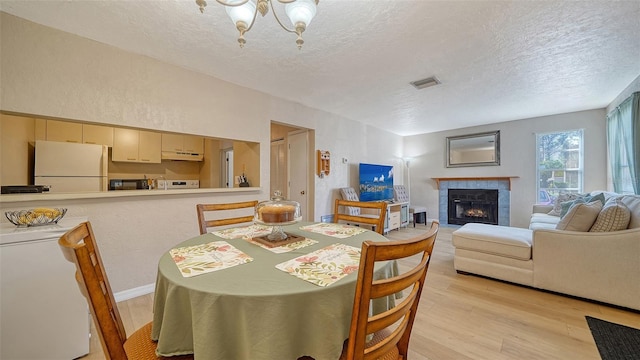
499, 252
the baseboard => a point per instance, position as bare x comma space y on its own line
135, 292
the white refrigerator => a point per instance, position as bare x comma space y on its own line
71, 167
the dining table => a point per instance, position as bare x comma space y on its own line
266, 302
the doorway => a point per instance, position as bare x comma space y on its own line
297, 169
226, 171
291, 166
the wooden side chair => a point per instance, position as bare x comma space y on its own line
376, 219
78, 246
204, 223
391, 329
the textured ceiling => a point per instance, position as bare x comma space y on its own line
497, 60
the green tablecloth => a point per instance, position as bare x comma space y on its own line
255, 311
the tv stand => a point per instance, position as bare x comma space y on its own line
397, 216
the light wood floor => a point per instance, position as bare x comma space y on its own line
470, 317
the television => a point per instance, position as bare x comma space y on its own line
376, 182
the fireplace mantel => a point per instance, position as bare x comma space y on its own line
507, 178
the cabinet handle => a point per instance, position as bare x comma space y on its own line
131, 158
89, 142
145, 159
71, 141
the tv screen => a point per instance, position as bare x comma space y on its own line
376, 182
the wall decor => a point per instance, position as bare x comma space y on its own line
481, 149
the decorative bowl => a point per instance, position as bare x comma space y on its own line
36, 217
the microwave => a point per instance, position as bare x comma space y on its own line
128, 184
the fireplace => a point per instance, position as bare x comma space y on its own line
472, 206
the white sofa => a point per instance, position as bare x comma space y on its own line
601, 266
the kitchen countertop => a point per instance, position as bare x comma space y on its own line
9, 198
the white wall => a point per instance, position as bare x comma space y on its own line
356, 143
47, 72
518, 158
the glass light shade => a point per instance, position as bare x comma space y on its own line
244, 12
301, 11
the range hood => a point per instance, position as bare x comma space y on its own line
180, 155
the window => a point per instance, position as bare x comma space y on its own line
559, 164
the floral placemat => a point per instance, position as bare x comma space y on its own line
205, 258
287, 247
325, 266
340, 231
243, 232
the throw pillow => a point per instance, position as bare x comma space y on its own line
615, 215
580, 217
562, 197
564, 207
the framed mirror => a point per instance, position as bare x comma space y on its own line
482, 149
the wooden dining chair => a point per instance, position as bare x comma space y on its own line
375, 219
390, 331
78, 246
204, 223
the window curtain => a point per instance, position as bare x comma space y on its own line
623, 142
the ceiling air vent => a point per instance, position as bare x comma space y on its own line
425, 83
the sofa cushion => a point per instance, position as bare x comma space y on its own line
633, 204
584, 199
493, 239
580, 217
541, 225
563, 197
544, 218
543, 221
614, 216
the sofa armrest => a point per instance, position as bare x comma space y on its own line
541, 208
603, 266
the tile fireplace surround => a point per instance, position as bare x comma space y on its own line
502, 184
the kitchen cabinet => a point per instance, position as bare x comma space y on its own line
183, 143
130, 145
68, 131
97, 134
65, 131
193, 144
150, 147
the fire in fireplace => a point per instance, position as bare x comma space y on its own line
472, 206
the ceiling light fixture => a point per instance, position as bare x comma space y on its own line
243, 14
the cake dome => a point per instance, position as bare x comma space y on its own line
278, 211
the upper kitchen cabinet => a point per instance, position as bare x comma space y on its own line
97, 134
131, 145
68, 131
182, 147
150, 147
65, 131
